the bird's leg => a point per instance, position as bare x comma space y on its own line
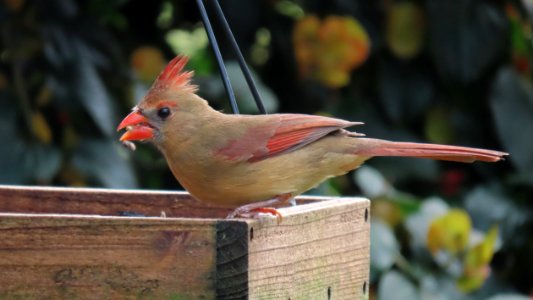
267, 207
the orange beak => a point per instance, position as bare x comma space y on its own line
140, 128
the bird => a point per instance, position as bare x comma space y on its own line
255, 163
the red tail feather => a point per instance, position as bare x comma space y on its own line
375, 147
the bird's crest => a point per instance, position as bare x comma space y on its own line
173, 77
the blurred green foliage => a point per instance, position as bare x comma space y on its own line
456, 72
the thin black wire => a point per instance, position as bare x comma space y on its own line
221, 66
242, 63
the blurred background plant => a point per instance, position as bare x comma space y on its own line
456, 72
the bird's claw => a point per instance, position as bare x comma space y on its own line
254, 213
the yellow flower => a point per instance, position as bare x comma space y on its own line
40, 128
450, 232
476, 262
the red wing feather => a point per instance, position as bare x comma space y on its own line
284, 133
295, 131
297, 138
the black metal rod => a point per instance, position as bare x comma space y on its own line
244, 67
220, 61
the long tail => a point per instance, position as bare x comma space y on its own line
375, 147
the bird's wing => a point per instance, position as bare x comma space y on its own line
283, 133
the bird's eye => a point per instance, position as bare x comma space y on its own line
163, 112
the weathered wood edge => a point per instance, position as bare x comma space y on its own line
317, 203
179, 199
233, 242
232, 236
97, 201
90, 191
150, 251
110, 202
231, 280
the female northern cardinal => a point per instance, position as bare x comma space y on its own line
259, 161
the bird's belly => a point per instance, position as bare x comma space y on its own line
251, 182
234, 191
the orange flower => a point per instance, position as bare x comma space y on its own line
14, 5
305, 40
147, 62
329, 50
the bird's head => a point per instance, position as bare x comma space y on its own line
171, 98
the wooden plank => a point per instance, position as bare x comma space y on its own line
60, 200
319, 251
232, 260
104, 202
81, 257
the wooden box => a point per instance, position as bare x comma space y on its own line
64, 243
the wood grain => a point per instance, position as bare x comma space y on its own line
63, 243
232, 260
319, 251
104, 202
81, 257
92, 201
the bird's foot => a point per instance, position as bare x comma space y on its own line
256, 213
253, 210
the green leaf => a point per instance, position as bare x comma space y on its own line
104, 162
467, 37
471, 283
289, 9
242, 91
488, 206
166, 15
476, 263
406, 90
187, 42
407, 203
24, 161
394, 285
93, 95
482, 253
521, 42
42, 161
10, 157
193, 44
405, 29
438, 127
511, 102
